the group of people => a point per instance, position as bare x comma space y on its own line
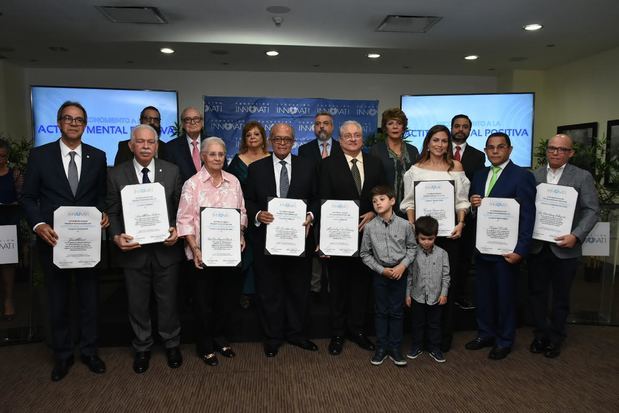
401, 257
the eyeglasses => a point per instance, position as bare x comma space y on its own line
553, 149
192, 121
352, 137
70, 119
500, 147
282, 140
150, 119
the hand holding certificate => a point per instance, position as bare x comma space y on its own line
220, 232
145, 212
497, 226
339, 233
555, 206
286, 234
437, 199
79, 237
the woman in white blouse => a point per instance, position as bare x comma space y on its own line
436, 163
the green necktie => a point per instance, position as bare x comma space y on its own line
495, 176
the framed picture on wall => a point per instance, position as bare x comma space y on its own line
612, 152
584, 136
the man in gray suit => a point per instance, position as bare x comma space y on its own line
150, 266
552, 265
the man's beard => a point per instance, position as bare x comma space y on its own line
459, 137
322, 136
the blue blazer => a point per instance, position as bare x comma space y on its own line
517, 183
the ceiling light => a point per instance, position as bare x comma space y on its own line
166, 50
272, 53
532, 27
373, 55
471, 57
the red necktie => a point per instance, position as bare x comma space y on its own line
457, 154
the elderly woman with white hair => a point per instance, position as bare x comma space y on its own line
216, 289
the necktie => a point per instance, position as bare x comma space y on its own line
356, 176
493, 178
324, 153
195, 155
284, 181
457, 156
72, 175
145, 179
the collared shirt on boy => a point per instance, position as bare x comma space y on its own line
430, 277
387, 243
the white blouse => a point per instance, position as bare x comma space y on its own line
416, 173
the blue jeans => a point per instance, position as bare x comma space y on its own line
389, 313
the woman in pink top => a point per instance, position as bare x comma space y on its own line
216, 289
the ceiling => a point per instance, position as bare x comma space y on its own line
314, 36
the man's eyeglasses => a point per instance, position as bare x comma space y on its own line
351, 137
553, 149
151, 119
70, 119
281, 140
192, 121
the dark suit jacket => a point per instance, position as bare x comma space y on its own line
517, 183
261, 186
46, 186
177, 152
587, 211
124, 154
311, 150
380, 151
472, 161
124, 174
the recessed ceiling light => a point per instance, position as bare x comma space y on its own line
373, 55
532, 27
166, 50
272, 53
471, 57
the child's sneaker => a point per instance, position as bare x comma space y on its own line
437, 355
397, 358
414, 353
379, 356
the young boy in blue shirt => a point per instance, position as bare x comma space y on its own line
426, 290
388, 248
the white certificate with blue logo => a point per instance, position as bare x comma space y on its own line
554, 211
497, 225
145, 212
437, 199
339, 228
79, 237
220, 237
286, 234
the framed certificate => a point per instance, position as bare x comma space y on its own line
554, 211
8, 244
286, 234
79, 237
497, 225
145, 212
220, 237
437, 199
339, 228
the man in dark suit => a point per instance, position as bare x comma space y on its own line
149, 116
150, 266
553, 265
66, 172
184, 151
350, 175
496, 275
472, 161
282, 282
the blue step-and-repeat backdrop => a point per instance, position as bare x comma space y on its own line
224, 116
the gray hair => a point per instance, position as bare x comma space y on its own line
144, 126
213, 139
282, 124
350, 122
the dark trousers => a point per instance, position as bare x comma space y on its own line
389, 314
452, 247
426, 322
546, 273
58, 284
282, 290
496, 284
349, 287
163, 282
215, 291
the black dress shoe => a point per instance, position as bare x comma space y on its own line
210, 359
363, 341
94, 363
336, 345
552, 350
538, 345
140, 361
304, 344
175, 358
61, 368
226, 352
499, 353
271, 350
478, 343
